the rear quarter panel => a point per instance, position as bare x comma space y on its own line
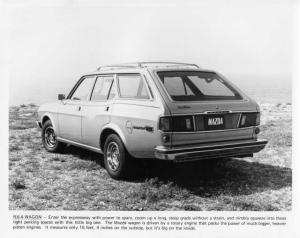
132, 117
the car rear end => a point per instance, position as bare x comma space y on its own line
209, 117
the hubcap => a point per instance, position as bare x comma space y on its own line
50, 138
113, 156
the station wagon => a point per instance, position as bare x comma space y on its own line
157, 110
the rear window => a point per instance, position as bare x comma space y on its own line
197, 86
132, 86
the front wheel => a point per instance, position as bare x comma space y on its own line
116, 158
50, 142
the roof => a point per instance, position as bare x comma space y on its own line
147, 65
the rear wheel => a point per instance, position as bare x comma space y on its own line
116, 158
50, 142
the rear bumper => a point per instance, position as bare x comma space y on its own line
216, 150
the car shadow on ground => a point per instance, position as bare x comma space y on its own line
205, 178
223, 176
84, 154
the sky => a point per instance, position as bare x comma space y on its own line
51, 44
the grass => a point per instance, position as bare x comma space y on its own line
77, 180
18, 184
23, 117
14, 148
154, 190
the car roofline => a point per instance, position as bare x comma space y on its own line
147, 65
117, 71
141, 70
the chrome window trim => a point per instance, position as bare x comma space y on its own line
80, 81
244, 98
132, 98
69, 97
104, 100
150, 91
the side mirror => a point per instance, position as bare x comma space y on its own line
61, 97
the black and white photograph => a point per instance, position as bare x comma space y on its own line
150, 105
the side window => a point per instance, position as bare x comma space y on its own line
83, 90
102, 88
132, 86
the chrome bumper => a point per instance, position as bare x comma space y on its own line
220, 150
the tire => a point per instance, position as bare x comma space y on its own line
116, 158
49, 139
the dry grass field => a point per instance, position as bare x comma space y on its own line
77, 180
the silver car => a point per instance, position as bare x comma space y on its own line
161, 110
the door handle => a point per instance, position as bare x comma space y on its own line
79, 108
107, 108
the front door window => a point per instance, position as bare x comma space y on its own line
82, 92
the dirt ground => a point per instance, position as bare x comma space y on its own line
77, 180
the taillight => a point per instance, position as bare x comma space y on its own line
249, 119
176, 124
258, 119
183, 123
165, 124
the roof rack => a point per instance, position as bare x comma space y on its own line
146, 64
